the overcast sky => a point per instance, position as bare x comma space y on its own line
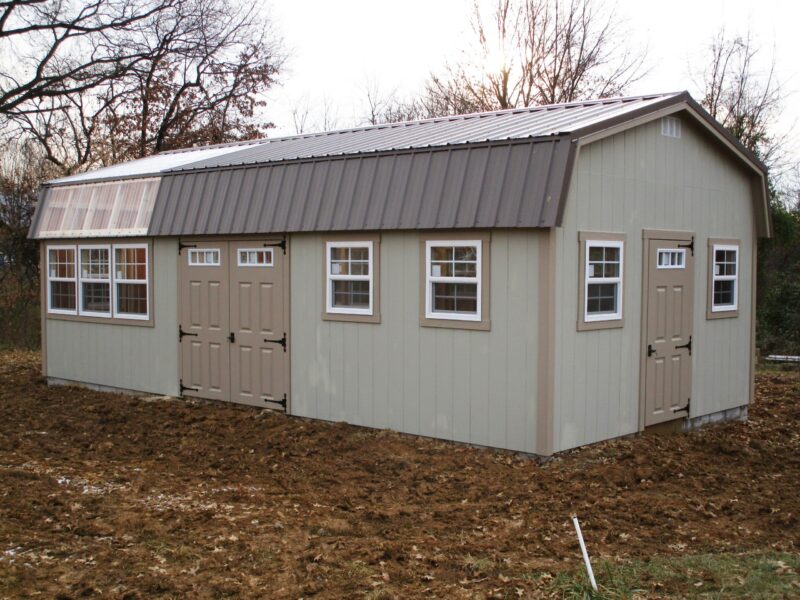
337, 46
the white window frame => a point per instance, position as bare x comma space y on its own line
679, 251
74, 279
595, 317
430, 280
714, 278
330, 277
108, 280
193, 251
115, 281
269, 252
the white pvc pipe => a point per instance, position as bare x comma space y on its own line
585, 553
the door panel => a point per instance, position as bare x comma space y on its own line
204, 321
258, 320
233, 313
668, 330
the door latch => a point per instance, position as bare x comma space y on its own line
687, 345
650, 350
231, 338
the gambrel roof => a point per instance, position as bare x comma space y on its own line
507, 168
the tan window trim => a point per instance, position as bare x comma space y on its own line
485, 238
149, 322
375, 317
722, 314
583, 238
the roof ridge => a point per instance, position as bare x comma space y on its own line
431, 120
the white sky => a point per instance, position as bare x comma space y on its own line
337, 46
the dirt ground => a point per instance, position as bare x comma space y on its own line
115, 496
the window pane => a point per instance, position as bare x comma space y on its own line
96, 297
725, 262
61, 262
441, 253
601, 298
351, 294
130, 263
603, 261
465, 253
455, 297
349, 261
359, 268
132, 298
340, 253
465, 269
94, 263
723, 293
441, 269
204, 257
62, 295
359, 254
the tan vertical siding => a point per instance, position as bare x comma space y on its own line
470, 386
125, 356
626, 183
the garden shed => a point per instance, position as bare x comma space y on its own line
532, 279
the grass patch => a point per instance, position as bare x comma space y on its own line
751, 575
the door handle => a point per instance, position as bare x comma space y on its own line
231, 338
650, 350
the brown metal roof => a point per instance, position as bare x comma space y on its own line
499, 185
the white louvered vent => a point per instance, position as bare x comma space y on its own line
671, 127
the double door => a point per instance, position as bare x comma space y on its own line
233, 321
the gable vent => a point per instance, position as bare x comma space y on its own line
671, 127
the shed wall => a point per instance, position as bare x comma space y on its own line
470, 386
626, 183
129, 357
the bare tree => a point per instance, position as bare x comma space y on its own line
54, 48
532, 52
745, 99
198, 77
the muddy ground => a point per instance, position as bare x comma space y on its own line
114, 496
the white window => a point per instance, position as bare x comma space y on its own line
671, 259
98, 280
725, 278
603, 281
204, 257
94, 274
254, 257
453, 279
61, 280
131, 294
349, 281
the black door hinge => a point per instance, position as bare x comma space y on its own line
687, 345
187, 389
281, 341
182, 333
282, 401
650, 350
281, 245
683, 408
690, 246
231, 337
181, 246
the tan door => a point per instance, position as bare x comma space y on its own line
204, 321
259, 358
668, 323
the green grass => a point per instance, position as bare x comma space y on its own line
754, 575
